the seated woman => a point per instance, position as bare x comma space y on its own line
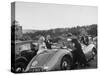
41, 45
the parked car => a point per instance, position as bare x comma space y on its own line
57, 59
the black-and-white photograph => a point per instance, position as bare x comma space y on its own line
53, 37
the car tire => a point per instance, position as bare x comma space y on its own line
65, 63
20, 67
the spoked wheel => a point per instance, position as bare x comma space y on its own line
20, 67
65, 63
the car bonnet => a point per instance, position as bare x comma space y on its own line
41, 59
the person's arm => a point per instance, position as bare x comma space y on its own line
45, 46
49, 41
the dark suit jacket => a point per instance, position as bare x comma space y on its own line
48, 44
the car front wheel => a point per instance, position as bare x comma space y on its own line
65, 63
20, 67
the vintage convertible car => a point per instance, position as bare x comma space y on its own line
49, 60
57, 59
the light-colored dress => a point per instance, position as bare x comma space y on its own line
41, 47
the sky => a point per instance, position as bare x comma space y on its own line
42, 16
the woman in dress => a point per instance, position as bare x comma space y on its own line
41, 45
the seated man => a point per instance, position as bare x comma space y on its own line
85, 40
48, 42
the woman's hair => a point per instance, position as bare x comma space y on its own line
41, 39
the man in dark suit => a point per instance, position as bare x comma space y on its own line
48, 42
78, 52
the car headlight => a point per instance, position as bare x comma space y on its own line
34, 63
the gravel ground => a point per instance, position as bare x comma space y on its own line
92, 64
